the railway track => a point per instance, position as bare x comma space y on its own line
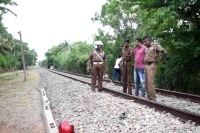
170, 100
185, 96
182, 114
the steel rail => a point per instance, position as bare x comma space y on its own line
181, 114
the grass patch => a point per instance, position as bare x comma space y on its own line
6, 77
15, 81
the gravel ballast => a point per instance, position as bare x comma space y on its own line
93, 112
170, 101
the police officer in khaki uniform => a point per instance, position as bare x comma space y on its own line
98, 58
151, 60
127, 68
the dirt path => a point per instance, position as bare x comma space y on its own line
20, 104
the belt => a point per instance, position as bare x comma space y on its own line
124, 62
97, 62
149, 63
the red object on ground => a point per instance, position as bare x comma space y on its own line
65, 127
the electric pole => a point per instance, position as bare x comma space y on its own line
22, 51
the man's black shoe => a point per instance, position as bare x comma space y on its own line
124, 91
130, 92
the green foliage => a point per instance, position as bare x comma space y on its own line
6, 39
10, 48
2, 60
30, 57
43, 63
8, 61
74, 58
51, 55
117, 16
3, 9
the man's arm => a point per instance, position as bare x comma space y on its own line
133, 52
120, 62
163, 51
164, 55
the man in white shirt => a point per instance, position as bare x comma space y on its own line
117, 69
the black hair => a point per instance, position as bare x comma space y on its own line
119, 56
145, 37
126, 40
139, 40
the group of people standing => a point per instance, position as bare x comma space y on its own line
145, 55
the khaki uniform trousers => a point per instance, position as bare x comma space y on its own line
149, 81
127, 76
97, 71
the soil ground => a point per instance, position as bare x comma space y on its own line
20, 104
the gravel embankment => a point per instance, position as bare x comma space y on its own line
93, 112
171, 101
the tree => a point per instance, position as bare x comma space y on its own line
43, 63
6, 39
7, 59
3, 9
72, 58
117, 15
51, 54
34, 57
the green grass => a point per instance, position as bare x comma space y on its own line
16, 80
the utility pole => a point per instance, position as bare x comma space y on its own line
22, 51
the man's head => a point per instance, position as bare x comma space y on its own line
98, 45
146, 41
126, 43
138, 42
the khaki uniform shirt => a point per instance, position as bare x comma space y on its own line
93, 57
126, 54
151, 53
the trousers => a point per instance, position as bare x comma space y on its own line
150, 80
116, 71
97, 71
139, 78
127, 76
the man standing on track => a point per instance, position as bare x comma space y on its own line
127, 68
98, 58
151, 60
138, 53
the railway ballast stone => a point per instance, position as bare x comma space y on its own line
93, 112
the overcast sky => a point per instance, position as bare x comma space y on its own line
44, 23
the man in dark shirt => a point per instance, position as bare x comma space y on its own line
127, 68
